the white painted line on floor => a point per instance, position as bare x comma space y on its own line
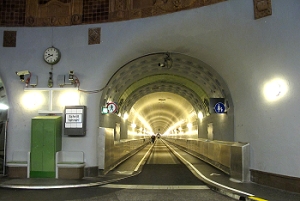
152, 187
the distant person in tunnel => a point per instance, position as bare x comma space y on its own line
153, 138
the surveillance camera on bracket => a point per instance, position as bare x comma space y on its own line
25, 76
22, 72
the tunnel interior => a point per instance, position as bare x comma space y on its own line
167, 93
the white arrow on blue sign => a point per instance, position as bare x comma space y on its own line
219, 108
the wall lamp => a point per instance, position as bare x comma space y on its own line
167, 62
275, 89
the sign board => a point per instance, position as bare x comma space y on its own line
75, 120
219, 108
215, 105
112, 107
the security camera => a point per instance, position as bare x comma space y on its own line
24, 76
22, 72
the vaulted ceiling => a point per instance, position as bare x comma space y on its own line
161, 89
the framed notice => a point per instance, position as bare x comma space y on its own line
75, 120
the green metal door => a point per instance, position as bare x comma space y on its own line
45, 142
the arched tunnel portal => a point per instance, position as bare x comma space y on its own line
167, 93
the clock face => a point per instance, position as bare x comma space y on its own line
52, 55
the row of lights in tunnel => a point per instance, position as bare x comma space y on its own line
179, 130
173, 129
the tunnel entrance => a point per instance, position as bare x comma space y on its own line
167, 93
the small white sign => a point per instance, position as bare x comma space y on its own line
76, 118
73, 118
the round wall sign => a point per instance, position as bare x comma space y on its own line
112, 107
219, 108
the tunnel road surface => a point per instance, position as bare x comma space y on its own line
163, 177
163, 168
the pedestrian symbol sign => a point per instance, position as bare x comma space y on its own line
219, 108
112, 107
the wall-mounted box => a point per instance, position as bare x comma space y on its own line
75, 120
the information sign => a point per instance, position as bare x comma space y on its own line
219, 108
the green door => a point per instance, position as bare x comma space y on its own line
45, 142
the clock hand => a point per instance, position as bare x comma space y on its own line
49, 55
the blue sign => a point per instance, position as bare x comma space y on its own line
219, 108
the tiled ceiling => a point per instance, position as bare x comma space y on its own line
164, 88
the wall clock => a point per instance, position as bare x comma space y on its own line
52, 55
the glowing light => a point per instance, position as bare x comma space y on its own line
200, 115
69, 98
133, 125
32, 100
142, 120
104, 110
190, 126
125, 116
275, 89
174, 126
3, 106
